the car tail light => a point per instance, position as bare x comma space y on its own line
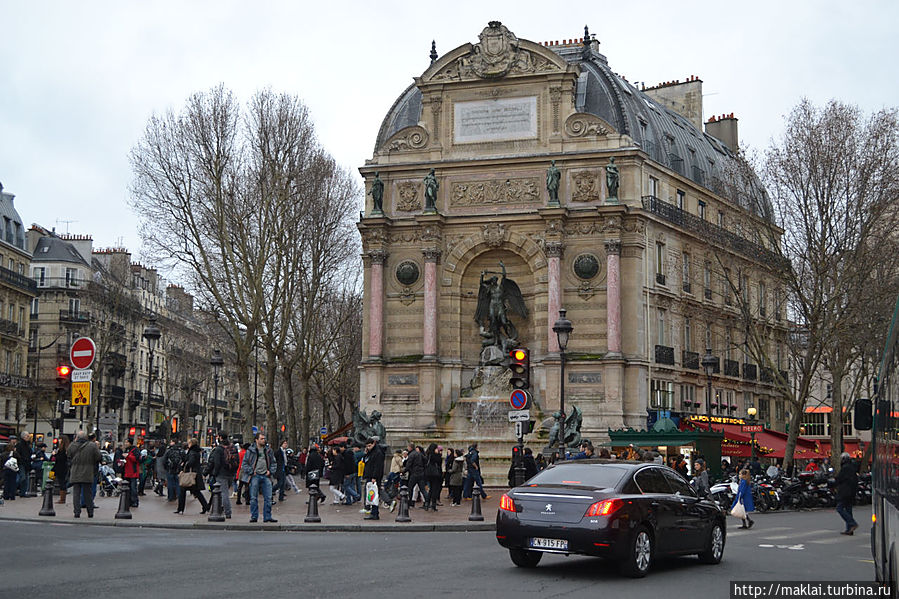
506, 503
604, 508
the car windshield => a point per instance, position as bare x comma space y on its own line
580, 475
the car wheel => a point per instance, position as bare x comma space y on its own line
714, 550
524, 558
639, 556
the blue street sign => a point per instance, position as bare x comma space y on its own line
519, 399
323, 430
255, 429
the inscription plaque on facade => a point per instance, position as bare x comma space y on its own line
585, 378
495, 120
402, 379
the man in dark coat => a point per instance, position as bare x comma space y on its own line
847, 485
23, 456
415, 466
374, 470
84, 456
172, 460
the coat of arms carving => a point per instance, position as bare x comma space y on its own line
496, 53
585, 187
407, 197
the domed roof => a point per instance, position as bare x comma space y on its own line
669, 138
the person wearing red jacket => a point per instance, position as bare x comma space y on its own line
132, 470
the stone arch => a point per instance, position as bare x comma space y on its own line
468, 249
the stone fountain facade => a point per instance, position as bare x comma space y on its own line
489, 118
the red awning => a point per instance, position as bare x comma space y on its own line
771, 444
850, 446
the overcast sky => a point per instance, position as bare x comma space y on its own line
80, 79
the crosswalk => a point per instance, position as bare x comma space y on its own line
796, 538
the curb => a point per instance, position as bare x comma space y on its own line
371, 528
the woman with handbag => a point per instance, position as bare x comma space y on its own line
743, 504
190, 478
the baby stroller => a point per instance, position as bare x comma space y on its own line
109, 483
390, 490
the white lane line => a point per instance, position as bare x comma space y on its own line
829, 541
809, 533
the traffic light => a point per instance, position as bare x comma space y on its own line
63, 376
520, 365
529, 426
174, 424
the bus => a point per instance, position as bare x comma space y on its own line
885, 467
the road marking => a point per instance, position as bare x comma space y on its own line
827, 541
810, 533
798, 547
866, 561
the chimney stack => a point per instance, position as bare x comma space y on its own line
724, 128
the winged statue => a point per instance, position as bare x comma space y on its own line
570, 426
365, 426
497, 297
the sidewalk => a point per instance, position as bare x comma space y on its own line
156, 512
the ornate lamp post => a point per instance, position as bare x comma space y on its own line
216, 362
708, 364
562, 328
152, 335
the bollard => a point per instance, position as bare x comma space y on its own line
475, 515
402, 514
47, 508
32, 485
312, 511
216, 513
124, 512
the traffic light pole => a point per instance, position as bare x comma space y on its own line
518, 466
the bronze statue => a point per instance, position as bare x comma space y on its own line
377, 194
570, 427
612, 178
431, 187
553, 176
496, 297
365, 427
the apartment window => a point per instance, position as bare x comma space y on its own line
778, 303
74, 306
39, 274
654, 187
763, 298
727, 297
701, 209
11, 314
32, 338
708, 337
747, 400
828, 393
847, 423
764, 410
17, 364
688, 333
72, 277
22, 319
744, 288
660, 263
727, 344
20, 268
12, 263
721, 218
728, 402
779, 356
681, 199
707, 279
688, 397
662, 395
34, 307
686, 273
662, 336
815, 424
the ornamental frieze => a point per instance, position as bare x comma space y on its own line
481, 193
408, 139
581, 124
407, 196
586, 187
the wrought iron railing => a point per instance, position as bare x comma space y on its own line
690, 360
749, 372
664, 355
731, 368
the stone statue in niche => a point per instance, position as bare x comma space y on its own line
431, 187
612, 179
553, 176
497, 296
377, 195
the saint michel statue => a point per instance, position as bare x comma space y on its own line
497, 297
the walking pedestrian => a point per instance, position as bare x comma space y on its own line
192, 464
23, 457
315, 463
847, 485
84, 456
223, 463
744, 496
374, 471
415, 466
456, 477
256, 470
132, 471
434, 475
473, 461
243, 488
61, 468
173, 459
336, 474
281, 469
350, 475
10, 471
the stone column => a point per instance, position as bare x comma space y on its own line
554, 300
432, 257
613, 295
376, 304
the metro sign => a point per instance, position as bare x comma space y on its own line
83, 353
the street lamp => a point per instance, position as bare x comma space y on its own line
216, 362
152, 335
708, 364
562, 329
752, 411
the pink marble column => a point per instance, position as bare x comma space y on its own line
432, 257
376, 304
613, 295
554, 300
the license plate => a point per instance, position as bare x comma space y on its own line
538, 543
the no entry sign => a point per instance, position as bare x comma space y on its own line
83, 352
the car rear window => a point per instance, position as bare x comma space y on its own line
580, 475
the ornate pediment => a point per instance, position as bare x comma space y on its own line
582, 124
499, 53
407, 139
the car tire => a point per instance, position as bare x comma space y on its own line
714, 550
524, 558
638, 560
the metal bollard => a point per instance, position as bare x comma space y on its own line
402, 514
124, 512
312, 511
32, 485
216, 513
475, 515
47, 508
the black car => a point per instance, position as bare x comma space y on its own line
631, 512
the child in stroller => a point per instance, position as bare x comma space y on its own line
108, 481
389, 491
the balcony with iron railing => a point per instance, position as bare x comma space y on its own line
664, 355
74, 317
766, 375
708, 231
21, 282
731, 368
750, 372
691, 360
11, 328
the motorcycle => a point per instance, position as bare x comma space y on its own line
723, 493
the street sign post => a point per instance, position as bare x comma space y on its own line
519, 415
82, 376
520, 399
81, 393
83, 352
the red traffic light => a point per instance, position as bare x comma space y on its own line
63, 370
520, 366
518, 354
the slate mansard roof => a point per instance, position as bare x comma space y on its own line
666, 136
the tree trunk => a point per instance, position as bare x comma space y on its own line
290, 408
271, 414
836, 419
792, 436
306, 418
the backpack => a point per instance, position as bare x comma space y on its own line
172, 461
231, 459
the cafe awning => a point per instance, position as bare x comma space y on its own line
769, 443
